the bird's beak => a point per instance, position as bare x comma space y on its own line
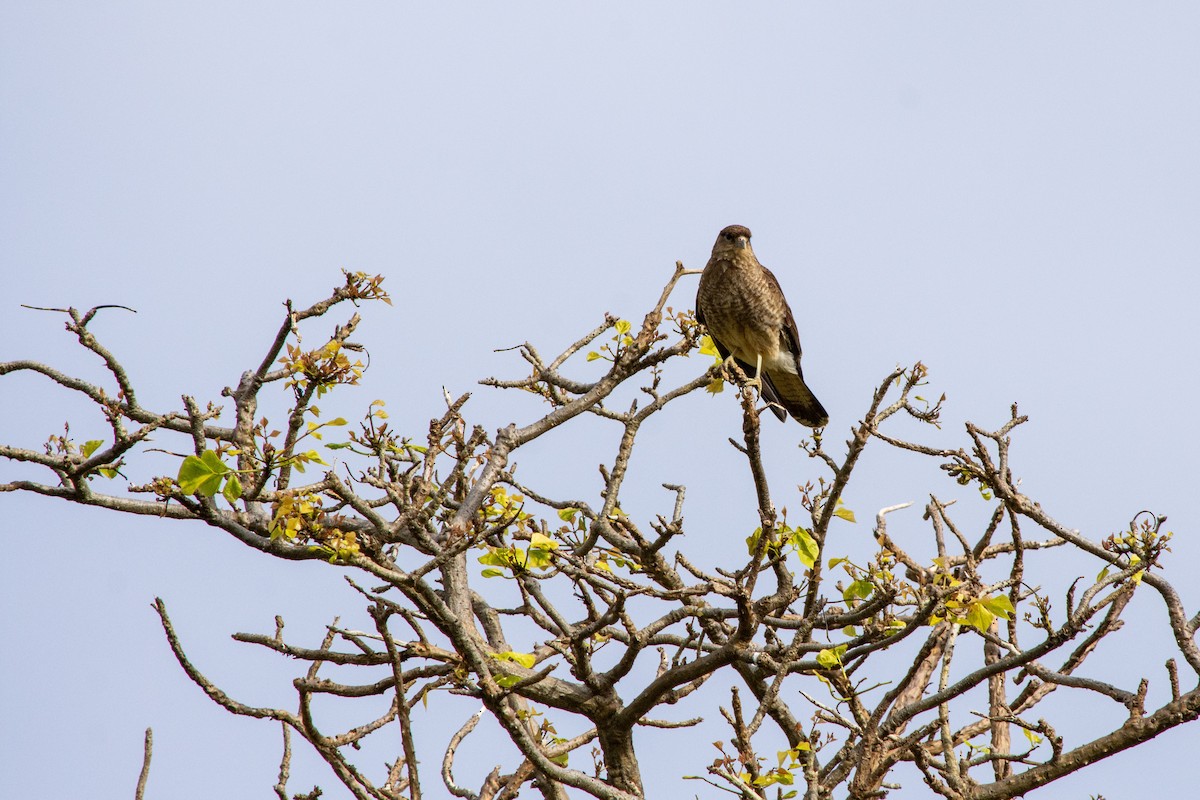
742, 242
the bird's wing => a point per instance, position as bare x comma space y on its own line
788, 390
789, 335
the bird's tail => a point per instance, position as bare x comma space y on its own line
788, 392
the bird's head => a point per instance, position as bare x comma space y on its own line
731, 240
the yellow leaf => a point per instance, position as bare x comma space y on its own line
979, 617
526, 660
540, 541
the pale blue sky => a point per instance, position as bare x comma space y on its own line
1008, 193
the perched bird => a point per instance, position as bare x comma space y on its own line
740, 304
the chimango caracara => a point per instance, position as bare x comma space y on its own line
740, 304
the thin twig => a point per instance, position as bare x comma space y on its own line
147, 752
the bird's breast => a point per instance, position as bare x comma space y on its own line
741, 312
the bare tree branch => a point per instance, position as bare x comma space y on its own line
565, 611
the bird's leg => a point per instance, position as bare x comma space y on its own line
756, 381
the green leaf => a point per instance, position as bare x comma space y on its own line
593, 355
844, 513
492, 573
91, 446
831, 657
233, 488
497, 557
858, 590
752, 542
202, 475
806, 547
622, 326
1000, 605
567, 514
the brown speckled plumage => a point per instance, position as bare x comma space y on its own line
742, 307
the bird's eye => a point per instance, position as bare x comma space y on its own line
729, 237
